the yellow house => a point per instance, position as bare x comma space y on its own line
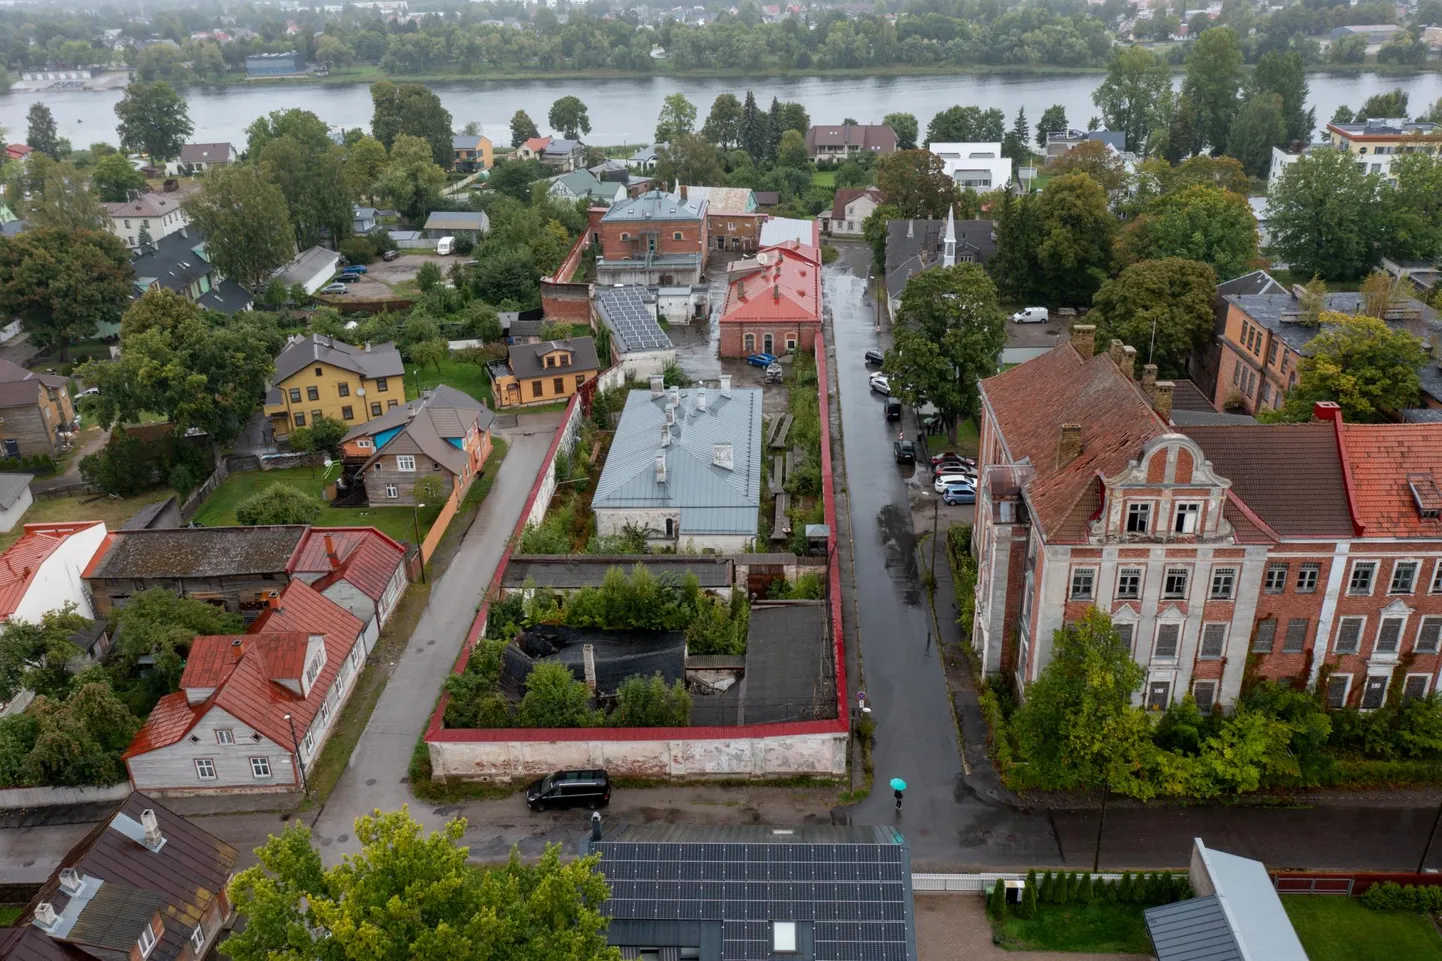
548, 371
319, 376
472, 152
1377, 142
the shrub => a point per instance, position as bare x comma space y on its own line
1391, 896
42, 464
1126, 888
1027, 911
358, 249
996, 903
1047, 893
648, 702
555, 698
1086, 890
428, 276
279, 504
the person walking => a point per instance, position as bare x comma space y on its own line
898, 802
897, 786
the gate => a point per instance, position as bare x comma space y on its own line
760, 577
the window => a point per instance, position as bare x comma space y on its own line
1296, 637
299, 419
558, 384
1139, 518
391, 492
550, 360
625, 236
536, 388
1307, 577
295, 395
260, 767
312, 670
790, 341
1349, 635
1223, 580
320, 371
1361, 580
750, 341
127, 225
676, 235
580, 381
1083, 583
347, 412
343, 389
1168, 638
1427, 635
1272, 353
1374, 692
1436, 587
376, 408
312, 393
383, 384
146, 941
1124, 631
1262, 640
1214, 641
224, 736
1176, 583
1205, 694
391, 404
205, 768
197, 939
1337, 687
1414, 687
406, 462
1404, 577
1275, 580
1129, 583
1187, 517
1389, 636
1159, 695
316, 415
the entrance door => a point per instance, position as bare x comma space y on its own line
766, 343
1159, 695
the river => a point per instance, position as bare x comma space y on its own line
624, 110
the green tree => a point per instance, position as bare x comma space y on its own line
1325, 218
873, 231
63, 283
1134, 98
365, 162
1415, 208
34, 655
114, 177
1390, 105
1097, 161
246, 223
568, 115
792, 151
690, 159
78, 741
1074, 231
1258, 127
555, 698
514, 178
905, 126
1213, 84
60, 198
648, 702
1285, 75
1201, 222
723, 123
916, 184
278, 504
301, 126
294, 907
324, 434
154, 120
413, 110
313, 184
1018, 235
523, 128
428, 276
678, 116
412, 180
1349, 49
161, 624
968, 124
1166, 304
430, 353
40, 131
1249, 748
753, 129
1184, 136
1361, 364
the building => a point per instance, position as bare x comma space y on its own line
638, 344
580, 184
363, 219
253, 709
1377, 142
685, 467
471, 152
319, 376
457, 223
37, 413
312, 269
644, 159
791, 903
1058, 142
616, 172
144, 883
779, 230
1203, 364
979, 166
773, 302
262, 65
656, 238
1288, 154
840, 141
544, 372
15, 499
563, 155
445, 435
197, 157
682, 304
732, 219
359, 568
1376, 34
180, 263
851, 208
916, 245
150, 217
533, 148
18, 151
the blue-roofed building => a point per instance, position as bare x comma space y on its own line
274, 64
1058, 142
685, 467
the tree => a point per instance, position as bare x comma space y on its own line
414, 110
792, 151
63, 283
1285, 75
949, 335
323, 434
77, 741
313, 184
689, 159
723, 123
523, 128
301, 126
648, 702
555, 698
1166, 304
568, 115
1324, 216
1097, 161
1074, 238
1135, 97
1053, 120
296, 908
412, 180
1257, 128
60, 197
678, 116
969, 124
904, 125
154, 120
34, 655
245, 221
161, 625
1015, 145
279, 504
114, 177
1213, 84
1415, 208
915, 183
1361, 364
1391, 105
428, 276
1202, 223
1184, 137
365, 162
40, 131
514, 178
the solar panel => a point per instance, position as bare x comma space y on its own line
633, 320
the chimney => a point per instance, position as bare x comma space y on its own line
367, 347
1070, 444
725, 385
330, 552
153, 838
1162, 399
45, 914
660, 468
671, 413
701, 401
723, 456
70, 881
1327, 410
658, 386
588, 658
666, 434
775, 291
1115, 352
683, 191
674, 394
1083, 338
1128, 363
1149, 380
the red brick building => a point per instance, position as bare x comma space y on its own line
773, 302
656, 238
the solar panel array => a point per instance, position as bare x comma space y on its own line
853, 895
627, 313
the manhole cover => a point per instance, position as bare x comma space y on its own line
343, 838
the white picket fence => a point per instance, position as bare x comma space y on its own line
973, 883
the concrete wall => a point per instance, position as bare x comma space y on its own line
11, 516
58, 582
643, 363
546, 488
12, 798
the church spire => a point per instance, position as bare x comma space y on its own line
948, 255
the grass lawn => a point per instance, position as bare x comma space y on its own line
114, 511
1102, 927
1340, 929
460, 374
823, 178
9, 912
219, 511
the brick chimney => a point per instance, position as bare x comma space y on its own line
1070, 444
1115, 352
1162, 399
1327, 410
1083, 338
330, 551
1128, 363
1149, 380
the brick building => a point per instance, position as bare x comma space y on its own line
656, 238
733, 221
1210, 559
773, 302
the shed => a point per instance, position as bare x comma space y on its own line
15, 498
448, 223
313, 269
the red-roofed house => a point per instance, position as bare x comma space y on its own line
250, 706
773, 302
533, 149
358, 568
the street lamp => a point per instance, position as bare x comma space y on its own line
415, 520
299, 765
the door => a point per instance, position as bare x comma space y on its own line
1159, 695
12, 448
766, 343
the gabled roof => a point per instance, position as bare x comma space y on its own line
21, 562
723, 200
364, 557
778, 230
380, 360
526, 359
309, 264
1256, 282
846, 195
205, 153
149, 204
781, 283
584, 183
656, 205
1385, 461
866, 136
20, 393
458, 220
11, 372
536, 144
561, 148
463, 141
195, 552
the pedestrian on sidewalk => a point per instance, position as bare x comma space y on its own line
898, 802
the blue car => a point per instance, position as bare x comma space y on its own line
355, 269
761, 360
959, 494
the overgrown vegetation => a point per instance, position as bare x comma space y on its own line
279, 504
1076, 912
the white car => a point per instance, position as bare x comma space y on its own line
89, 392
1030, 315
880, 384
943, 481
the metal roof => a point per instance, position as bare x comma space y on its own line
657, 205
630, 312
12, 486
458, 220
1194, 930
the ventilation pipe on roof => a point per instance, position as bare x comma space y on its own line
588, 657
330, 551
701, 401
675, 395
660, 468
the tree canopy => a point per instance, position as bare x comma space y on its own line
246, 223
413, 109
678, 117
1074, 238
523, 128
63, 283
1135, 97
1201, 222
1213, 84
280, 503
1325, 218
1360, 363
568, 116
1162, 305
154, 120
916, 184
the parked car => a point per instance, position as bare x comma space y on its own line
89, 392
959, 494
874, 355
953, 463
893, 409
880, 384
334, 289
951, 455
355, 269
905, 451
774, 374
564, 789
345, 278
761, 360
390, 255
943, 481
1030, 315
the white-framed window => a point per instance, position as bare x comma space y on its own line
1404, 577
1224, 580
1168, 640
205, 768
1363, 573
312, 670
1129, 583
1349, 635
1374, 691
1214, 642
1275, 580
363, 443
1083, 584
391, 492
1188, 518
1266, 634
405, 462
1205, 694
1428, 634
1139, 517
197, 939
146, 941
1175, 586
1338, 686
1295, 640
1436, 587
1389, 636
1415, 686
1307, 576
224, 735
260, 767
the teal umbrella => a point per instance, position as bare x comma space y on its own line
897, 784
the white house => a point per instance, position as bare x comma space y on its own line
638, 344
196, 157
155, 215
850, 210
359, 568
312, 269
979, 166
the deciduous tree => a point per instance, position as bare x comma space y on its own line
313, 184
678, 117
648, 702
915, 183
114, 177
60, 197
245, 221
1258, 127
301, 126
414, 110
568, 115
63, 283
1389, 105
1325, 217
34, 654
323, 434
154, 120
967, 124
1097, 161
365, 162
160, 624
523, 128
40, 131
1074, 238
279, 503
723, 123
1361, 364
1213, 84
689, 159
1202, 223
1285, 75
412, 180
1161, 306
1053, 120
1135, 97
556, 698
905, 126
1414, 223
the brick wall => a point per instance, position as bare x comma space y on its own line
733, 337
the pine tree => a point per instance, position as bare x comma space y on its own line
997, 903
1031, 878
773, 129
1027, 910
1125, 890
1086, 890
1073, 887
753, 129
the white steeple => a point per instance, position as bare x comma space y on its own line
948, 255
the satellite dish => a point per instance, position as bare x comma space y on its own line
327, 463
360, 391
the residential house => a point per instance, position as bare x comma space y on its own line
363, 219
1203, 363
198, 157
533, 148
979, 166
144, 883
638, 344
656, 238
254, 710
359, 568
150, 216
773, 302
18, 151
445, 434
37, 413
457, 223
809, 914
15, 499
263, 65
544, 372
472, 152
733, 221
644, 159
10, 226
1379, 141
1288, 154
582, 183
685, 467
312, 269
563, 155
841, 141
319, 376
616, 172
181, 263
916, 245
851, 208
1058, 142
766, 199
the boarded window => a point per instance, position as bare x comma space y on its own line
1389, 635
1266, 631
1349, 635
1296, 638
1214, 641
1337, 686
1168, 636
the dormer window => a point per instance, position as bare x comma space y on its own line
312, 670
146, 941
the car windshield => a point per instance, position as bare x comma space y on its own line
547, 782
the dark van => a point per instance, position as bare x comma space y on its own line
566, 789
893, 408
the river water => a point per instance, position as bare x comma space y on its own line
624, 110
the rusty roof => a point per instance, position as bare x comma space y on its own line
196, 552
169, 721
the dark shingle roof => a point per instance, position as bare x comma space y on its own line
1257, 282
525, 359
787, 665
196, 552
381, 360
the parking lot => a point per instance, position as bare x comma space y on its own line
381, 276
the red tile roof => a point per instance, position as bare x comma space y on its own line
846, 195
1381, 456
783, 283
367, 558
19, 564
536, 144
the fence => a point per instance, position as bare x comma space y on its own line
973, 883
546, 484
201, 494
13, 798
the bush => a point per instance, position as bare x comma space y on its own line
555, 698
279, 504
358, 249
1027, 911
996, 902
1086, 890
42, 464
428, 276
1047, 893
1391, 896
1126, 888
648, 702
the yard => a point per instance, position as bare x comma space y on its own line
114, 511
823, 178
219, 510
1101, 927
1341, 929
460, 374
